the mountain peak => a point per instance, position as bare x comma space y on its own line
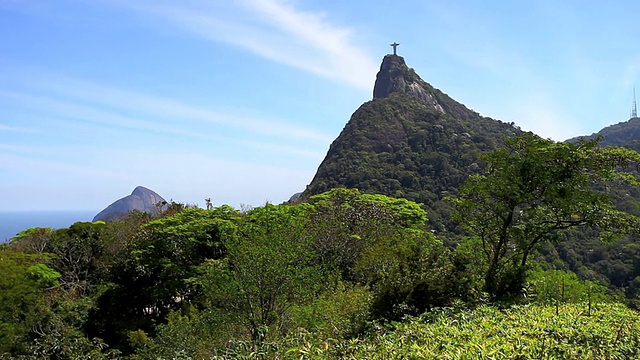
395, 77
143, 191
412, 140
141, 199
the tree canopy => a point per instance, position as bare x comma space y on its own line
531, 190
277, 280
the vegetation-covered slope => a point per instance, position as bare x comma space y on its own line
414, 141
346, 274
525, 332
626, 133
410, 141
615, 264
308, 279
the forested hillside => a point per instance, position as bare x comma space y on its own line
625, 134
343, 274
411, 141
414, 141
428, 232
614, 264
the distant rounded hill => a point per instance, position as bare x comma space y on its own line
626, 134
141, 199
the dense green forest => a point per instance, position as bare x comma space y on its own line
537, 271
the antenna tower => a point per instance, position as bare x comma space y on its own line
634, 109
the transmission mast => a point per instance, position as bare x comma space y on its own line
634, 109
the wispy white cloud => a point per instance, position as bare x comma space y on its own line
71, 100
51, 168
24, 149
276, 30
109, 98
18, 129
73, 111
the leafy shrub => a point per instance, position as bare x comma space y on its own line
557, 286
523, 332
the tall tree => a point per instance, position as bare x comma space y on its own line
345, 222
268, 268
154, 273
533, 189
23, 284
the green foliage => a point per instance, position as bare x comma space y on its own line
79, 252
341, 313
523, 332
345, 222
37, 318
51, 304
401, 147
614, 264
396, 211
407, 274
268, 268
33, 240
43, 275
59, 333
532, 190
22, 296
156, 273
621, 134
282, 269
190, 334
381, 242
303, 280
557, 286
70, 347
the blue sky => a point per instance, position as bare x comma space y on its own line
238, 101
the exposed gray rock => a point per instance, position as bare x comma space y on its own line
396, 77
141, 199
294, 197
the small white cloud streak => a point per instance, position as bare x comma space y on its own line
9, 128
22, 149
48, 168
83, 113
275, 30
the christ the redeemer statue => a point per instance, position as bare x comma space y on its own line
394, 46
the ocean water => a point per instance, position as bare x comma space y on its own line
12, 222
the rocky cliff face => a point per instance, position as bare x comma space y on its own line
141, 199
395, 77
